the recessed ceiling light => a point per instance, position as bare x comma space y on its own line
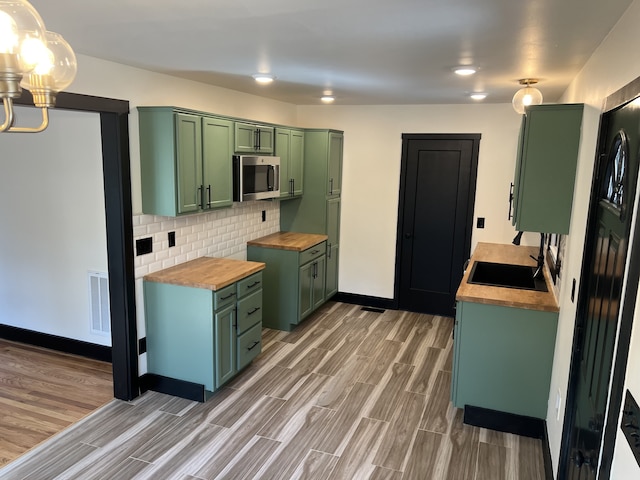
263, 78
327, 98
465, 70
478, 95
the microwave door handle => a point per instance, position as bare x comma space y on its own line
271, 175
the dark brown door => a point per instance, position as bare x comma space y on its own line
599, 306
437, 194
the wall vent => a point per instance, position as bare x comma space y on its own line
99, 303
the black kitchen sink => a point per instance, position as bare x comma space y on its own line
506, 275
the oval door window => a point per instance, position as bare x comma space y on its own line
616, 174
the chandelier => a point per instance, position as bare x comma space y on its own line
32, 58
527, 95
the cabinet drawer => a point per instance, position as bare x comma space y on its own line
250, 311
224, 297
313, 252
250, 284
249, 345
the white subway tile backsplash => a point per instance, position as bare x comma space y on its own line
222, 233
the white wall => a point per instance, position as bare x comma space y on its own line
371, 178
53, 224
614, 64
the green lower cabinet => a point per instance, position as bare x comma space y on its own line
200, 336
289, 272
503, 358
332, 271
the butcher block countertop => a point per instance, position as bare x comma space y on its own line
206, 272
289, 241
503, 296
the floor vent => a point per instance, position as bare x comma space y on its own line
371, 309
99, 303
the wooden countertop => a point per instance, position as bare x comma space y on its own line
289, 241
508, 297
206, 272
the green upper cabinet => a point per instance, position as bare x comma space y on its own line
334, 173
253, 138
546, 168
185, 161
289, 146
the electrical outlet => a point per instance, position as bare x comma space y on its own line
264, 215
144, 246
172, 239
480, 223
558, 404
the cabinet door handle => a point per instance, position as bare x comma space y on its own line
228, 296
209, 196
331, 186
291, 186
315, 270
253, 345
253, 311
328, 250
315, 251
257, 139
510, 201
254, 284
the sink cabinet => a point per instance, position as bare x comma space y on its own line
546, 167
202, 336
185, 161
289, 146
294, 283
253, 138
503, 358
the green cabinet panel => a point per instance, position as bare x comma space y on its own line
334, 168
294, 283
333, 253
225, 341
503, 358
217, 151
253, 138
546, 168
185, 161
289, 146
195, 335
189, 162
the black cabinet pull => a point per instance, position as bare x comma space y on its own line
510, 201
256, 139
315, 270
228, 296
291, 186
209, 196
331, 186
328, 250
254, 284
315, 251
253, 345
253, 311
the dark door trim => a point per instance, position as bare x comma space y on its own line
615, 101
475, 137
114, 126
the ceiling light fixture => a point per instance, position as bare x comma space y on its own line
327, 98
478, 95
264, 78
464, 70
527, 95
31, 58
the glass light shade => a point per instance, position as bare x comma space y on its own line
524, 97
56, 66
20, 24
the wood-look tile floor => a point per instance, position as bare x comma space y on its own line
350, 394
42, 392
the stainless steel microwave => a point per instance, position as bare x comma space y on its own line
255, 178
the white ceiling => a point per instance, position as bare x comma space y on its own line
366, 51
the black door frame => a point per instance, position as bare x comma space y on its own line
114, 129
475, 149
612, 103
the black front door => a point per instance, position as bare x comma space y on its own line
437, 194
599, 306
